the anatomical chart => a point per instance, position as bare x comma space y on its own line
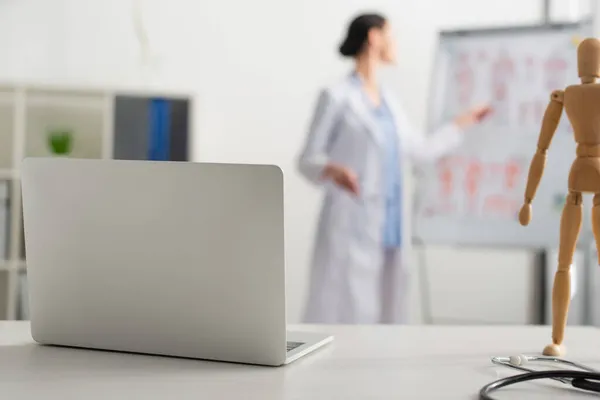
485, 178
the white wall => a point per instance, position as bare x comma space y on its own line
255, 67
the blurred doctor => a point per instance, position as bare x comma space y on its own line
357, 148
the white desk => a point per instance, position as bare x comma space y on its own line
363, 362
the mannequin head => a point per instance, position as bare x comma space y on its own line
588, 59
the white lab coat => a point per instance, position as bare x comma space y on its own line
348, 258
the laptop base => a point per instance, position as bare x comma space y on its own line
303, 343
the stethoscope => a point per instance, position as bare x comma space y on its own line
586, 379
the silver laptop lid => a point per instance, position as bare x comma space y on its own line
182, 259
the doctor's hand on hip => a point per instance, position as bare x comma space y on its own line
343, 177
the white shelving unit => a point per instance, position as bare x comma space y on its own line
27, 113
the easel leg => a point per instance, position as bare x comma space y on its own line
570, 225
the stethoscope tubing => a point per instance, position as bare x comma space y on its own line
580, 379
586, 379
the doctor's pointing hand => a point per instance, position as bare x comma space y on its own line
358, 141
348, 180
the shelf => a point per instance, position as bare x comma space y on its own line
13, 265
65, 99
19, 265
8, 174
22, 312
101, 127
86, 125
66, 102
7, 115
7, 98
5, 290
5, 221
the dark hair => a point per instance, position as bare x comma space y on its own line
358, 32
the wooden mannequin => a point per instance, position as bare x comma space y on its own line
582, 106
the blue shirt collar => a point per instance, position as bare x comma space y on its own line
356, 80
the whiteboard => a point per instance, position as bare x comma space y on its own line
472, 196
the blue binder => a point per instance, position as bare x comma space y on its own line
160, 121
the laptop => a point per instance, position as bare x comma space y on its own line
166, 258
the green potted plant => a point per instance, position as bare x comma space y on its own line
60, 141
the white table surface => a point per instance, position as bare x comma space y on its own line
363, 362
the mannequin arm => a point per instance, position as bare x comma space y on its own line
536, 169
